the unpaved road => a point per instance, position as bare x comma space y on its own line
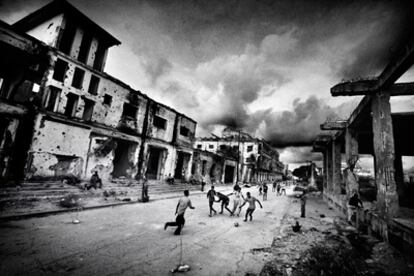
130, 240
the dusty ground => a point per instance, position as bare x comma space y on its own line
130, 240
326, 245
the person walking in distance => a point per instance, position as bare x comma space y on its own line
278, 187
252, 205
265, 188
210, 195
303, 198
274, 186
182, 205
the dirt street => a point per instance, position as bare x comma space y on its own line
130, 240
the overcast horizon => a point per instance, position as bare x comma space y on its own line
264, 66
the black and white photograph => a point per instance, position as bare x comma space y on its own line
207, 137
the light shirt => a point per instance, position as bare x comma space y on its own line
183, 203
251, 201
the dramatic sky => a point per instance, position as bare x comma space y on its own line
266, 66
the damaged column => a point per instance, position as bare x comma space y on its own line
387, 197
336, 166
352, 156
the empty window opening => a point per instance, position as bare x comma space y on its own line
129, 111
210, 146
78, 78
60, 70
249, 148
71, 104
184, 131
223, 147
99, 57
85, 47
88, 109
65, 44
160, 122
199, 146
107, 99
52, 98
93, 85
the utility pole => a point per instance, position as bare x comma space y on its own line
238, 157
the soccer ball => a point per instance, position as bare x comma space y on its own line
236, 224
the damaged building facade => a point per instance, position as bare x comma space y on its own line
374, 130
257, 160
62, 115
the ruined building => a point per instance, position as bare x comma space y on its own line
62, 115
373, 129
258, 161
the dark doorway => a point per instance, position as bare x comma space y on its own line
229, 174
121, 162
154, 162
181, 166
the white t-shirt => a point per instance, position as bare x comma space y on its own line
183, 203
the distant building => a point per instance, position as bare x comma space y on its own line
61, 115
258, 161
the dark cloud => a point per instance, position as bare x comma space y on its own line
298, 155
219, 61
300, 126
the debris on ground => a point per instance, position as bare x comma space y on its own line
327, 245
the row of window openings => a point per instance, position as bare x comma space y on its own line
60, 71
223, 147
65, 45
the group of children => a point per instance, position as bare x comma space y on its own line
213, 196
238, 202
276, 186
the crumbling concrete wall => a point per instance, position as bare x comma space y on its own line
213, 167
57, 149
166, 114
106, 114
48, 31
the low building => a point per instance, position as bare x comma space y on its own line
258, 161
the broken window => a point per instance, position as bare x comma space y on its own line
184, 131
199, 146
66, 41
78, 78
60, 70
99, 57
52, 97
107, 99
85, 47
129, 111
210, 146
93, 85
88, 109
159, 122
71, 104
249, 148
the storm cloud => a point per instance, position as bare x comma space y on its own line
264, 66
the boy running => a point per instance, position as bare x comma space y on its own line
182, 205
210, 195
252, 205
